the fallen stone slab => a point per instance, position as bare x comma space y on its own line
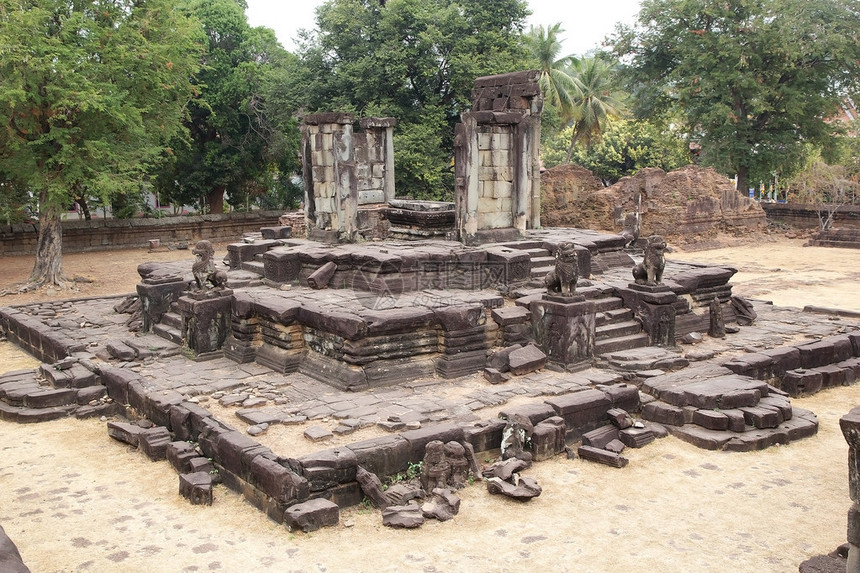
402, 516
312, 515
602, 456
124, 432
526, 488
317, 433
505, 469
196, 488
526, 359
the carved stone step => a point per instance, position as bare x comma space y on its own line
613, 316
621, 343
168, 333
618, 329
607, 303
537, 252
254, 267
542, 261
172, 319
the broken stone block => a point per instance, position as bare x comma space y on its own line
525, 488
442, 505
196, 488
526, 359
619, 418
180, 454
548, 438
600, 437
505, 469
124, 432
153, 442
402, 516
320, 278
602, 456
312, 515
493, 376
401, 493
500, 360
636, 437
615, 446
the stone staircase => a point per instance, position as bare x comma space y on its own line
615, 327
170, 325
67, 388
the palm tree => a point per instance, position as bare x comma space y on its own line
558, 87
599, 101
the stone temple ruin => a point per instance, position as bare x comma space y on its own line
388, 305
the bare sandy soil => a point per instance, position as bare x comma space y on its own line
75, 500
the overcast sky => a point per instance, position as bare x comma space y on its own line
585, 22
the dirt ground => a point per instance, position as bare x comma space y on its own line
74, 500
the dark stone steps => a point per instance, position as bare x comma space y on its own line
621, 343
168, 333
618, 329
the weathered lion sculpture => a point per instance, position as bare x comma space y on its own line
650, 270
562, 279
203, 268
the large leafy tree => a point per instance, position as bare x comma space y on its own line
755, 80
625, 147
415, 60
90, 92
237, 145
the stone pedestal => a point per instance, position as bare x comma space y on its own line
206, 321
850, 425
564, 329
654, 305
155, 300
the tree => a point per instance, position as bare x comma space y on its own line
558, 88
754, 79
89, 95
233, 141
415, 60
626, 146
827, 188
598, 102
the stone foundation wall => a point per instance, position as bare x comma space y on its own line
105, 234
806, 217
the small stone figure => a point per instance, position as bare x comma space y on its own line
562, 279
455, 455
205, 275
718, 326
650, 270
435, 469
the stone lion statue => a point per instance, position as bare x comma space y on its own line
562, 279
650, 270
205, 274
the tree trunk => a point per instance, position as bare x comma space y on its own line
85, 209
48, 269
743, 180
573, 141
215, 200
